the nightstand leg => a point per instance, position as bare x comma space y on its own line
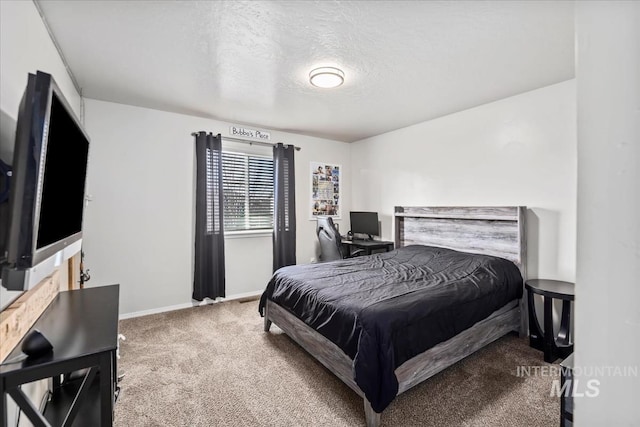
549, 339
565, 329
535, 332
563, 346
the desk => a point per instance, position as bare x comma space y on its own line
553, 347
367, 245
82, 326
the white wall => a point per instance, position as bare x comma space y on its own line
25, 47
517, 151
138, 228
608, 259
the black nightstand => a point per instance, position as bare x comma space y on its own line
553, 347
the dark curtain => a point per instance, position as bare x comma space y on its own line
284, 215
209, 279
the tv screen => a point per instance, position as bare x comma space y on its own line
364, 223
64, 178
46, 200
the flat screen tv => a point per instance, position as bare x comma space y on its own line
46, 196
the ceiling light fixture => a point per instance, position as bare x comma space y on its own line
326, 77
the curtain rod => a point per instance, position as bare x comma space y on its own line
248, 141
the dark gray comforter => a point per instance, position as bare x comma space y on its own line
384, 309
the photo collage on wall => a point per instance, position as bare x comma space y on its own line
325, 190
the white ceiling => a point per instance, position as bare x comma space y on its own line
248, 62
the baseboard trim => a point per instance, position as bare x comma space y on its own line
193, 303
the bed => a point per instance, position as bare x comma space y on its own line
386, 322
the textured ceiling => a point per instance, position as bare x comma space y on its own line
248, 62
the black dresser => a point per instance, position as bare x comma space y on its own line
82, 326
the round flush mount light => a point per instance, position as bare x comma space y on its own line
326, 77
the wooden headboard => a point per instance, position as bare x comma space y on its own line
498, 231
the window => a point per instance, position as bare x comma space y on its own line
247, 182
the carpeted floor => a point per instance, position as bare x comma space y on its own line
214, 366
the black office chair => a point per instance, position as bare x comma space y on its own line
330, 241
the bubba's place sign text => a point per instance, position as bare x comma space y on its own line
249, 133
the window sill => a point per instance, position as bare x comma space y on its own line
247, 234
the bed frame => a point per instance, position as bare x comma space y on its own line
498, 231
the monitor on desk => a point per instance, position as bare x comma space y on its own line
364, 223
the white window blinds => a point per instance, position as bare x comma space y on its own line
212, 196
247, 182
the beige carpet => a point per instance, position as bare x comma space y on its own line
214, 366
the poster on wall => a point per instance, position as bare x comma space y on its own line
325, 190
